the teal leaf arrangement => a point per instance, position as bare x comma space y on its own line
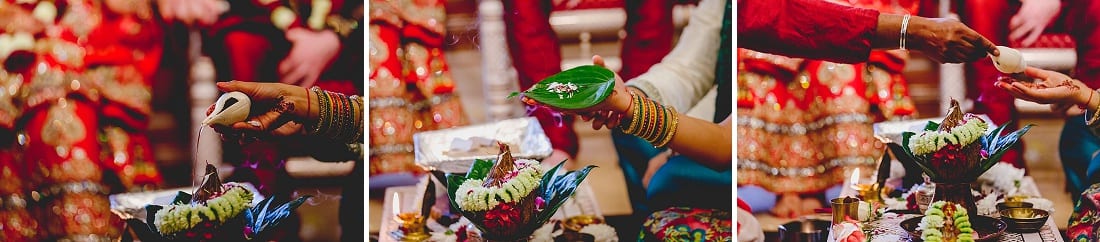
263, 218
218, 222
520, 217
577, 88
952, 160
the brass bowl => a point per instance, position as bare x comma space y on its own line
1017, 198
1025, 220
1013, 204
576, 223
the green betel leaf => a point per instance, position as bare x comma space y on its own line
559, 188
181, 198
931, 126
453, 182
577, 88
480, 169
998, 145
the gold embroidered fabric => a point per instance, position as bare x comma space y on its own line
804, 125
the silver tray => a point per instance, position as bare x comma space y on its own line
525, 136
132, 205
891, 130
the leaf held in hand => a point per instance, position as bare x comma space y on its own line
577, 88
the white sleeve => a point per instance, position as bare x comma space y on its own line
687, 73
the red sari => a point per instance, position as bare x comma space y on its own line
804, 124
78, 105
411, 88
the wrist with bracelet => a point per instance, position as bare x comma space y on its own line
337, 117
650, 121
904, 31
1096, 110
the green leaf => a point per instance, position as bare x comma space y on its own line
514, 94
906, 157
931, 126
997, 145
559, 188
594, 84
151, 217
479, 169
262, 219
453, 182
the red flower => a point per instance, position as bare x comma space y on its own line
504, 217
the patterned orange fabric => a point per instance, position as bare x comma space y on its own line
804, 124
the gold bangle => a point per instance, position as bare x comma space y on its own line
660, 123
635, 115
646, 117
322, 109
655, 117
652, 119
1095, 115
671, 128
359, 117
664, 128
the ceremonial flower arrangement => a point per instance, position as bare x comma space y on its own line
959, 149
946, 221
512, 198
216, 212
955, 152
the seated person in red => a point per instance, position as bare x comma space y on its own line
301, 42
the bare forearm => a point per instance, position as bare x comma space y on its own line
888, 32
706, 142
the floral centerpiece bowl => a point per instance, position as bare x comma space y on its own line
509, 200
955, 152
215, 212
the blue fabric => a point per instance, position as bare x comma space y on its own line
678, 183
763, 201
1076, 148
758, 198
682, 182
634, 154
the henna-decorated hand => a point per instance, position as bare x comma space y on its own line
277, 110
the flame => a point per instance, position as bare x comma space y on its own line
396, 204
855, 176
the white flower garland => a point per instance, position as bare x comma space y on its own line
176, 218
601, 232
930, 141
546, 233
472, 196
